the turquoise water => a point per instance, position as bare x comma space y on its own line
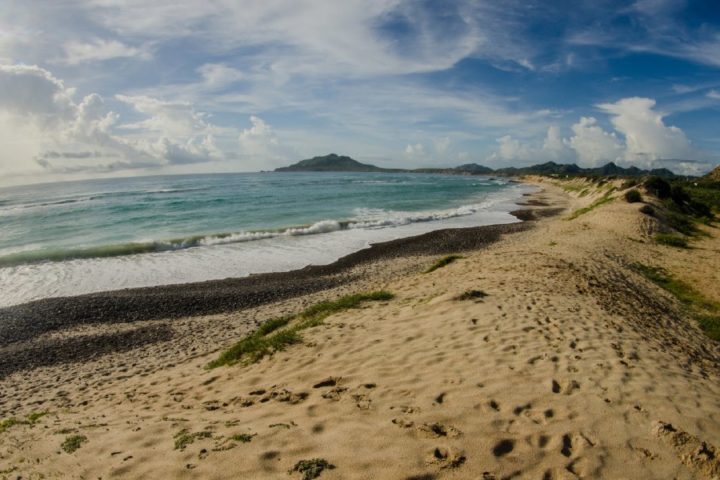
162, 223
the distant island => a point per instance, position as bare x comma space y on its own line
343, 163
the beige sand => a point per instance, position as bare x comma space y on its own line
572, 367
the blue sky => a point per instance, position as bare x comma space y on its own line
129, 87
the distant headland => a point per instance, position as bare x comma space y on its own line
343, 163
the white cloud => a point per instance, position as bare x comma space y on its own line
553, 148
216, 75
101, 50
416, 151
714, 94
647, 138
593, 145
261, 145
46, 130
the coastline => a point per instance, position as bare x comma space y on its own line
572, 365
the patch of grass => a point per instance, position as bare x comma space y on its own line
184, 438
472, 295
33, 417
275, 335
671, 240
73, 442
443, 262
633, 196
242, 437
705, 311
582, 211
710, 324
9, 423
311, 469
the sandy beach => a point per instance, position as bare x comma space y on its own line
541, 353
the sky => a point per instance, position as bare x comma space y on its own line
98, 88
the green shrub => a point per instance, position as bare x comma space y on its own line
73, 442
633, 196
647, 210
658, 187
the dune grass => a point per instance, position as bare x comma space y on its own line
73, 443
600, 201
30, 419
705, 311
277, 334
671, 240
444, 261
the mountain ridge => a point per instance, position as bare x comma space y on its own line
343, 163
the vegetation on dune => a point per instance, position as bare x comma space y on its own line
275, 335
311, 469
671, 240
443, 262
242, 437
704, 310
73, 442
633, 196
600, 201
30, 419
184, 438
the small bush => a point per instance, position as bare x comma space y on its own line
633, 196
658, 187
630, 183
242, 437
73, 443
311, 469
647, 210
443, 262
671, 240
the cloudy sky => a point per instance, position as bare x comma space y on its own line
127, 87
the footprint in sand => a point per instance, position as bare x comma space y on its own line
567, 389
503, 447
437, 430
446, 457
698, 455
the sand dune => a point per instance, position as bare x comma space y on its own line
570, 364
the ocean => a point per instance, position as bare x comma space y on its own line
80, 237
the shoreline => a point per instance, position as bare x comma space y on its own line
56, 331
32, 335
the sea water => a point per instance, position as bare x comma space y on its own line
78, 237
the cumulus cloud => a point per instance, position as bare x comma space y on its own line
416, 151
647, 138
101, 50
513, 150
43, 127
640, 137
593, 145
261, 144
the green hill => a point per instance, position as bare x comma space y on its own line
331, 163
